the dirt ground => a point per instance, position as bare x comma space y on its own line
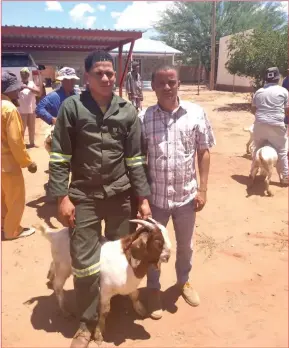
239, 269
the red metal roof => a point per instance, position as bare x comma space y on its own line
64, 39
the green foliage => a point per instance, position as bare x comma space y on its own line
186, 26
250, 55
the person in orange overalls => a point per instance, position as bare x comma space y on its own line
14, 157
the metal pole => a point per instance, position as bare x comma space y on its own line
119, 69
213, 46
126, 64
199, 73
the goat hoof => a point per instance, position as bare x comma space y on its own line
270, 194
97, 336
140, 309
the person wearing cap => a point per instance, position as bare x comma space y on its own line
285, 82
97, 137
14, 157
27, 104
134, 86
48, 107
270, 106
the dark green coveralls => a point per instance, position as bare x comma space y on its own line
103, 153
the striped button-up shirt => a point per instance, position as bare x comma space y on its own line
171, 141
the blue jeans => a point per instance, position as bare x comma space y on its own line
184, 219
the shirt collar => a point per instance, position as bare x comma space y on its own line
61, 90
182, 106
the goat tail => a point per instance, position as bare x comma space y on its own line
43, 228
264, 162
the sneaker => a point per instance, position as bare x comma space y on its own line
155, 304
190, 295
82, 337
26, 232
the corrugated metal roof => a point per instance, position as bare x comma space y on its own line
150, 46
43, 38
69, 28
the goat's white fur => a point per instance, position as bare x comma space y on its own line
116, 275
265, 160
250, 144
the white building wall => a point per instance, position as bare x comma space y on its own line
225, 80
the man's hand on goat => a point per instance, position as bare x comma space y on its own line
144, 209
200, 200
66, 211
32, 168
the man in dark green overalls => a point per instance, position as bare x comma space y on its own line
97, 137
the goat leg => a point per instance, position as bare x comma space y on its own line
100, 328
51, 275
248, 148
267, 180
137, 305
58, 284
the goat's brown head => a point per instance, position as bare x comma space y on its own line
149, 245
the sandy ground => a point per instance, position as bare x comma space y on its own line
240, 259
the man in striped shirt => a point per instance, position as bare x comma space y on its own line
173, 132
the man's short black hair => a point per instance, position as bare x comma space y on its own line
164, 67
95, 57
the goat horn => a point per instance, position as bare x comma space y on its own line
144, 223
153, 221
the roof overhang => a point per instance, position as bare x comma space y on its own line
18, 38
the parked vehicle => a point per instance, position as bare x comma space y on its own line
15, 61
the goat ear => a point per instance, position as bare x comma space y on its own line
139, 246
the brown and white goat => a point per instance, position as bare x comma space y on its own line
123, 264
264, 160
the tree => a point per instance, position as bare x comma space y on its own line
186, 26
251, 54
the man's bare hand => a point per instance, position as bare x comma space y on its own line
53, 120
66, 211
200, 201
32, 168
144, 209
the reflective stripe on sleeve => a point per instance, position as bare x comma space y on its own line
135, 161
86, 272
59, 157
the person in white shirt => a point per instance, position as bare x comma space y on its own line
270, 106
27, 104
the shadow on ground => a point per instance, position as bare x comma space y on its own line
246, 156
120, 323
46, 315
258, 188
44, 210
234, 107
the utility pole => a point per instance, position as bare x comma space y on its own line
213, 46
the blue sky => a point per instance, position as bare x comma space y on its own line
120, 15
140, 15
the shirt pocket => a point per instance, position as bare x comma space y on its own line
188, 140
